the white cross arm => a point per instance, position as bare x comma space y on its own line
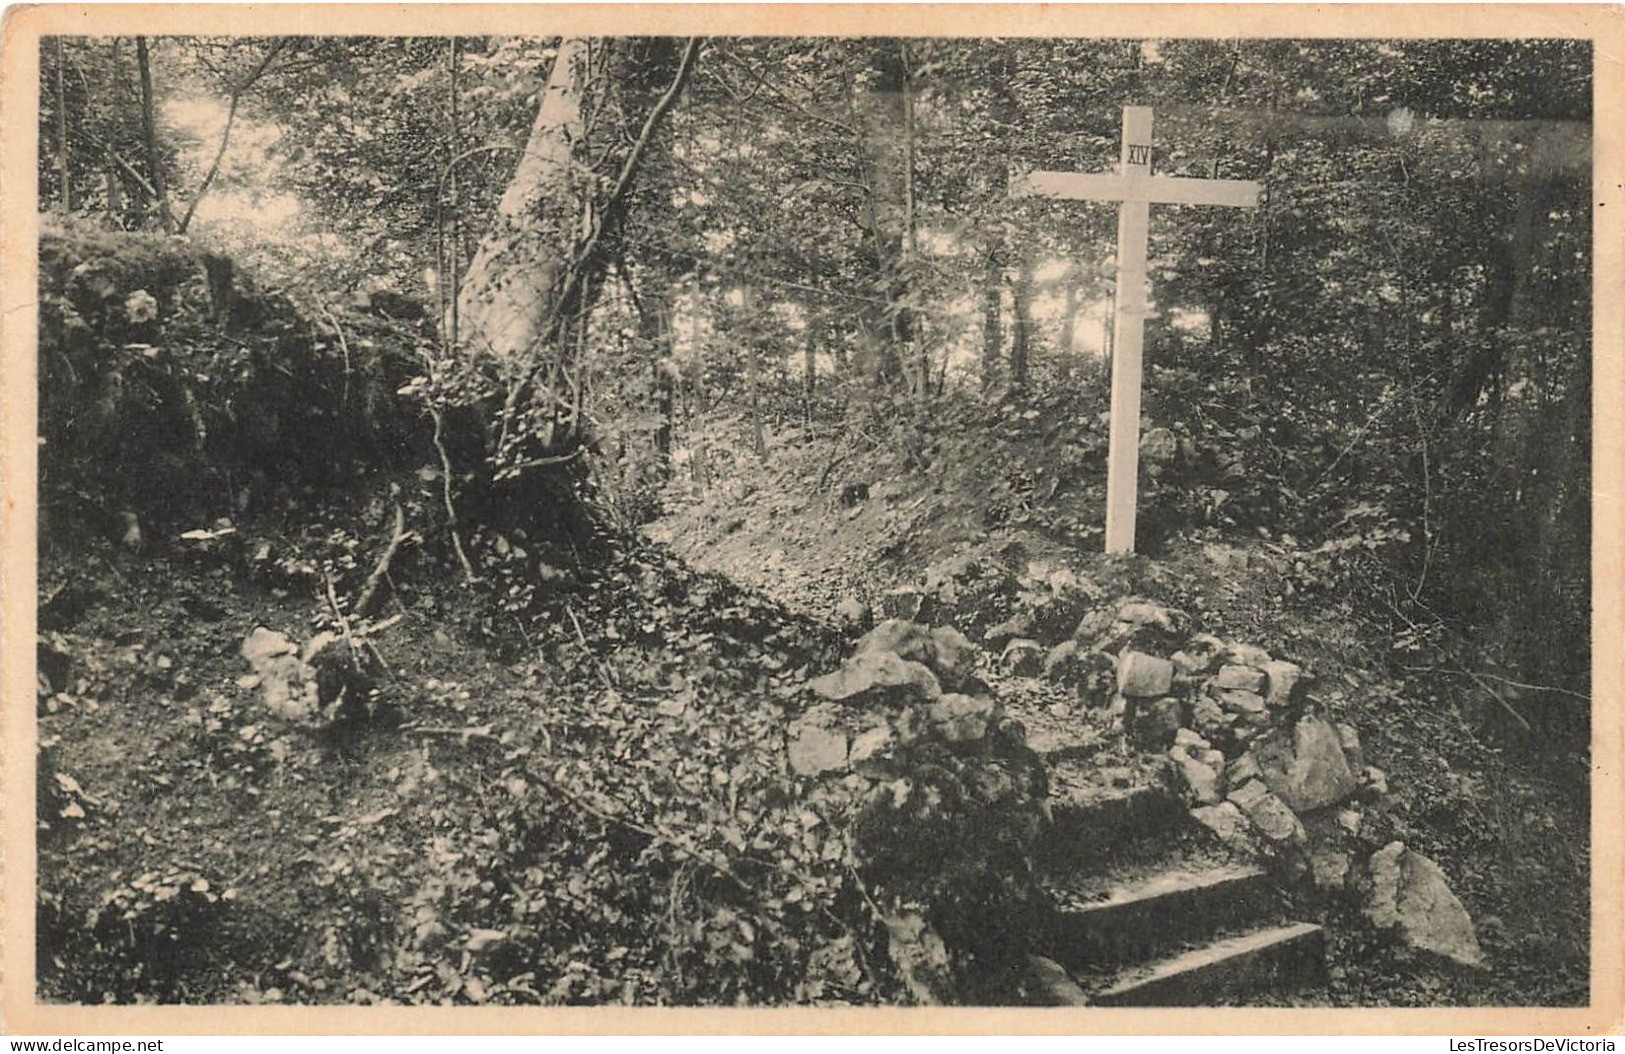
1163, 190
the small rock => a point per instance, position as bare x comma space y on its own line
1408, 893
1348, 737
1205, 646
953, 656
1018, 625
1142, 676
852, 611
1201, 782
1094, 627
870, 745
1158, 447
1191, 664
1248, 655
287, 683
1186, 738
1243, 769
1069, 663
1117, 776
901, 637
1138, 612
1023, 657
1227, 823
1239, 678
265, 643
1376, 782
1330, 868
1155, 723
1305, 765
944, 650
1268, 813
960, 718
1241, 702
1284, 678
1208, 717
1351, 821
902, 603
816, 745
872, 672
1224, 556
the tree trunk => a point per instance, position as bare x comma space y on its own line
753, 373
654, 327
1069, 325
504, 304
883, 112
1021, 331
809, 383
992, 331
149, 129
542, 261
64, 175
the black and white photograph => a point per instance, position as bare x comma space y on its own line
967, 515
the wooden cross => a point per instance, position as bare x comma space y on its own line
1134, 188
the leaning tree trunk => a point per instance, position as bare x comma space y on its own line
541, 263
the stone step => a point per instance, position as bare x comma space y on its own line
1093, 815
1133, 919
1282, 958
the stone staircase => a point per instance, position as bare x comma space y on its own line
1147, 909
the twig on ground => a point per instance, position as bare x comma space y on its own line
445, 492
603, 671
369, 589
343, 621
472, 732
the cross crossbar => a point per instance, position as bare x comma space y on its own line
1135, 190
1157, 190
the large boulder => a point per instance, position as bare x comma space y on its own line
871, 674
1305, 765
1407, 893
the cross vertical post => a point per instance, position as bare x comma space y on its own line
1134, 189
1128, 337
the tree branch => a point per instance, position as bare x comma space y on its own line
225, 136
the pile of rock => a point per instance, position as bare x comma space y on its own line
904, 681
905, 751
